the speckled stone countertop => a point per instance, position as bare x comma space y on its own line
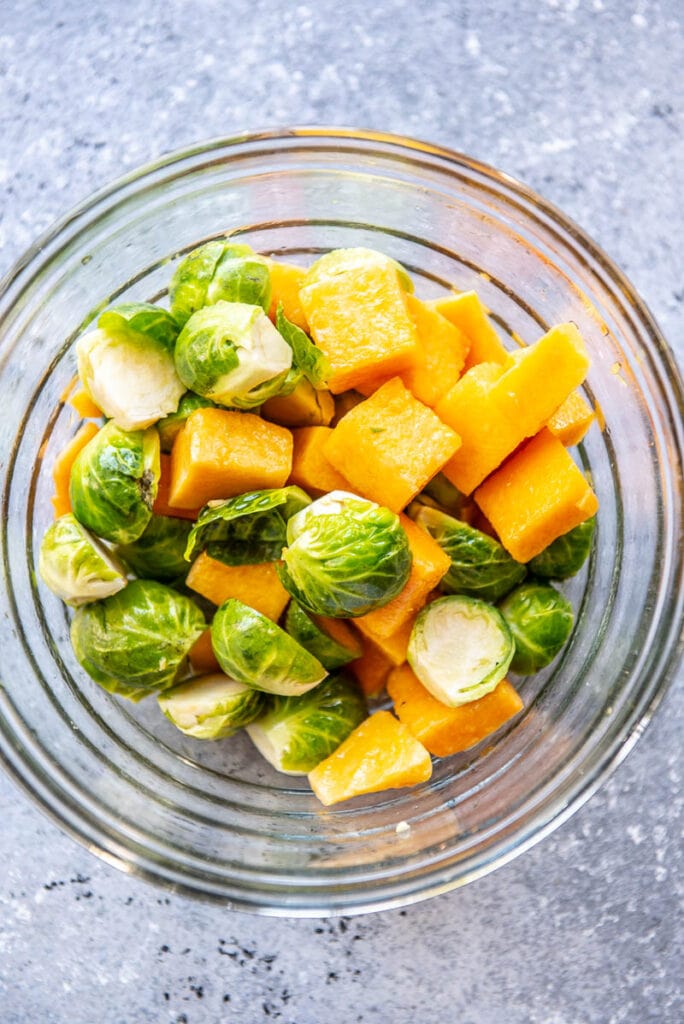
582, 99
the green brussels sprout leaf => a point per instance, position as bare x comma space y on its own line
219, 271
566, 555
443, 493
211, 707
170, 426
312, 363
76, 566
541, 620
331, 652
141, 318
159, 552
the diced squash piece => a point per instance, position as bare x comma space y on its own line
161, 502
255, 585
371, 669
303, 407
341, 632
202, 657
536, 496
360, 320
379, 754
310, 468
389, 446
220, 453
286, 280
571, 420
443, 730
61, 472
343, 403
430, 563
84, 405
469, 313
395, 646
494, 416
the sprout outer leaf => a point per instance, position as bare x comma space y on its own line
308, 360
141, 318
159, 552
566, 555
540, 620
331, 654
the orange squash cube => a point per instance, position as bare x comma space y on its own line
536, 496
379, 754
467, 312
219, 453
371, 669
443, 730
286, 280
343, 403
201, 655
493, 416
303, 407
61, 471
389, 446
255, 585
310, 468
571, 420
84, 406
360, 320
161, 502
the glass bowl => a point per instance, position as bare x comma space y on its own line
213, 820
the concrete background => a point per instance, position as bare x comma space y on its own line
583, 100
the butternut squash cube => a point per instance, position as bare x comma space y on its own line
371, 669
571, 420
469, 313
255, 585
389, 446
84, 405
310, 468
201, 654
443, 730
286, 280
161, 502
219, 453
61, 471
360, 320
494, 414
536, 496
343, 403
303, 407
379, 754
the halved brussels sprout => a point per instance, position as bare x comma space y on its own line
130, 376
566, 555
345, 556
211, 707
142, 318
231, 353
75, 566
339, 261
330, 652
170, 426
541, 620
137, 641
307, 360
114, 482
480, 566
247, 529
297, 733
219, 270
443, 493
159, 552
460, 648
252, 649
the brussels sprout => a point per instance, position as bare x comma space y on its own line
211, 707
231, 353
170, 426
310, 634
460, 648
247, 529
159, 552
253, 650
443, 493
130, 376
567, 554
345, 556
141, 318
219, 270
541, 621
136, 641
307, 360
75, 566
114, 482
297, 733
339, 261
480, 566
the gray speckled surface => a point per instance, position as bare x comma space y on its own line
584, 101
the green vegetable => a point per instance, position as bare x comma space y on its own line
345, 556
136, 641
231, 353
330, 653
339, 261
480, 566
141, 318
253, 650
169, 427
159, 552
219, 270
130, 376
460, 648
211, 707
247, 529
75, 566
567, 554
114, 482
540, 620
297, 733
307, 360
443, 493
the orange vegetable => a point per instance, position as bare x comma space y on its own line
389, 446
342, 632
303, 407
360, 320
84, 406
371, 669
219, 453
286, 280
202, 657
255, 585
161, 502
343, 403
61, 472
536, 496
571, 420
379, 754
310, 468
469, 313
495, 408
443, 730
